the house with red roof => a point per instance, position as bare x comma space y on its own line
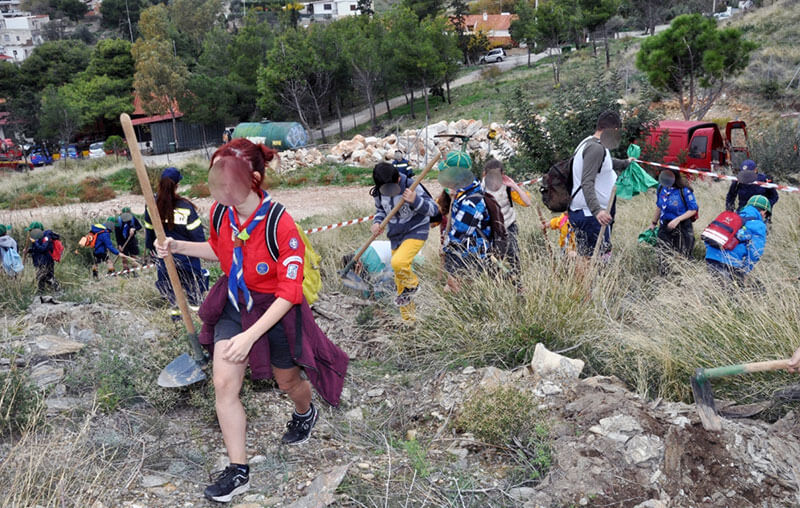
496, 26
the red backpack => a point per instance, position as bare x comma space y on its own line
721, 233
58, 247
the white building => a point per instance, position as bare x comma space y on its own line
10, 7
20, 34
319, 10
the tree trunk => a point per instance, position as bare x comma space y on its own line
386, 100
594, 45
339, 115
447, 85
374, 115
425, 94
529, 54
320, 122
413, 115
608, 54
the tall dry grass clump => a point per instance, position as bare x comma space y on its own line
62, 466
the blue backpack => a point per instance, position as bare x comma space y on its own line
12, 263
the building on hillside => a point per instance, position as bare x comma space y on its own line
496, 26
20, 34
158, 131
321, 10
11, 7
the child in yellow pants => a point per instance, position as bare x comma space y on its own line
407, 229
566, 237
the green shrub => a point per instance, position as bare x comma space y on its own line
498, 416
548, 136
21, 403
507, 418
775, 149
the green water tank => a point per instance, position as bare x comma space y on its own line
277, 135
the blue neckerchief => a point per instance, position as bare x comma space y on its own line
236, 276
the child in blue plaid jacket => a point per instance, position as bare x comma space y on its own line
467, 242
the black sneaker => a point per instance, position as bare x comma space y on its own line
299, 429
230, 482
404, 298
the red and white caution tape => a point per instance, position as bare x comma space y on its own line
528, 182
785, 188
339, 225
370, 217
131, 270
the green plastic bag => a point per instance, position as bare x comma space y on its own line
649, 236
634, 180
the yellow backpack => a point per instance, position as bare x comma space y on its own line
312, 279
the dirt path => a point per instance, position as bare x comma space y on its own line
301, 203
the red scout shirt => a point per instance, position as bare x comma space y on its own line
283, 278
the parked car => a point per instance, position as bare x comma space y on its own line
495, 55
96, 150
40, 156
70, 151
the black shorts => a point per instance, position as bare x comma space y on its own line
132, 249
230, 324
100, 258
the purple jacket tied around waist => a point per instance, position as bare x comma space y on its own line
325, 364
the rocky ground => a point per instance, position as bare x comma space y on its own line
609, 447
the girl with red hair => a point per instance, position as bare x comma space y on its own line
256, 314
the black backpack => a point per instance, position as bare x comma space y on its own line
556, 187
498, 234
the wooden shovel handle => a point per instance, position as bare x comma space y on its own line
767, 366
155, 219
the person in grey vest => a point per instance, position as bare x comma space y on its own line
593, 180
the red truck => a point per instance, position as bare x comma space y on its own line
11, 157
701, 145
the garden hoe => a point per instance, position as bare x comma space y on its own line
185, 369
352, 280
704, 396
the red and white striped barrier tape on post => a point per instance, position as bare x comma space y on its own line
131, 270
339, 225
785, 188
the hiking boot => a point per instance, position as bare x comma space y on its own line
230, 482
299, 429
404, 298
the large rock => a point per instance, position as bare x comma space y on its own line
643, 448
53, 345
44, 375
618, 428
322, 490
549, 365
472, 127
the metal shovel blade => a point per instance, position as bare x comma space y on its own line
352, 281
182, 371
704, 401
